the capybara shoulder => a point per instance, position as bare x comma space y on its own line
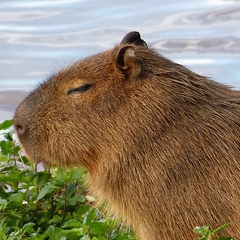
160, 142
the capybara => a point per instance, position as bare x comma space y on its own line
161, 143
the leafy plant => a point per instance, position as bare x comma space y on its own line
207, 234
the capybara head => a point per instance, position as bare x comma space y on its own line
161, 143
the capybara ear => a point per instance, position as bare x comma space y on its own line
133, 38
128, 63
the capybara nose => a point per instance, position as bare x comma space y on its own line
20, 126
20, 129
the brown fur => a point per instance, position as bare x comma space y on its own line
161, 143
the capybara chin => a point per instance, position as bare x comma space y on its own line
161, 143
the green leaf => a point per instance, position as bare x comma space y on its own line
16, 199
220, 228
49, 188
28, 228
74, 233
9, 136
6, 147
55, 219
61, 174
54, 233
12, 214
8, 169
11, 178
201, 230
91, 216
42, 178
204, 231
6, 124
3, 204
32, 191
99, 228
75, 174
90, 198
77, 198
71, 189
82, 210
3, 158
73, 223
15, 151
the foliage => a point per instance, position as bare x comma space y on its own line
52, 204
207, 234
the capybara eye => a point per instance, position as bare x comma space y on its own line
81, 89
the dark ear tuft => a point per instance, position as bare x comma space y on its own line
134, 38
128, 63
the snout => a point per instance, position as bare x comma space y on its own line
20, 124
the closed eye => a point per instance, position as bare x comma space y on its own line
80, 89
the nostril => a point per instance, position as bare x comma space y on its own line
19, 129
20, 122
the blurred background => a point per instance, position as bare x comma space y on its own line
38, 38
